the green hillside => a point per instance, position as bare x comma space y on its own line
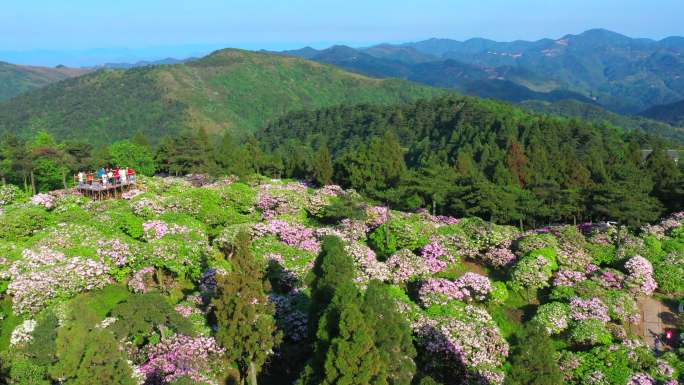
227, 90
17, 79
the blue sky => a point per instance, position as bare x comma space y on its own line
157, 28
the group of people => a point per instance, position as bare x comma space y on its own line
107, 176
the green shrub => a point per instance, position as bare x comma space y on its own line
20, 223
402, 233
590, 332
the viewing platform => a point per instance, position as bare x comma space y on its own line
112, 189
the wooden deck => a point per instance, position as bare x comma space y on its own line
99, 191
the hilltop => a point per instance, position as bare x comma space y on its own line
17, 79
226, 90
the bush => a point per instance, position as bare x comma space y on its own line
342, 208
590, 332
403, 233
17, 224
9, 194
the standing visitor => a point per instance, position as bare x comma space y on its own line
116, 174
110, 175
80, 178
122, 175
131, 175
90, 177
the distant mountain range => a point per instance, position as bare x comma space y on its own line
17, 79
620, 73
227, 90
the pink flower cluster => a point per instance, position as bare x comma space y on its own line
182, 356
405, 265
568, 278
641, 379
114, 250
661, 229
46, 274
45, 200
434, 253
291, 234
159, 229
272, 206
472, 338
377, 215
467, 287
137, 281
185, 310
588, 309
640, 275
500, 256
367, 262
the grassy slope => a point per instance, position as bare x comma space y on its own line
17, 79
230, 89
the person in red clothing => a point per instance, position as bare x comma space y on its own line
131, 175
116, 175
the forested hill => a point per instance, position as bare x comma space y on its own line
596, 114
227, 90
16, 79
478, 157
671, 113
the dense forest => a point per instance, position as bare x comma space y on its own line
453, 156
465, 156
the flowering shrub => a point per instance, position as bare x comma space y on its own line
568, 278
554, 317
500, 256
159, 229
669, 273
590, 332
116, 251
436, 256
183, 356
45, 200
590, 309
532, 272
641, 379
467, 335
46, 274
377, 216
9, 194
137, 283
467, 287
22, 333
640, 275
404, 266
291, 234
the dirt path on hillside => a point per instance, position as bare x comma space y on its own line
656, 318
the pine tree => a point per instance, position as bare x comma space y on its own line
231, 157
392, 334
323, 165
332, 268
244, 316
353, 357
533, 360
